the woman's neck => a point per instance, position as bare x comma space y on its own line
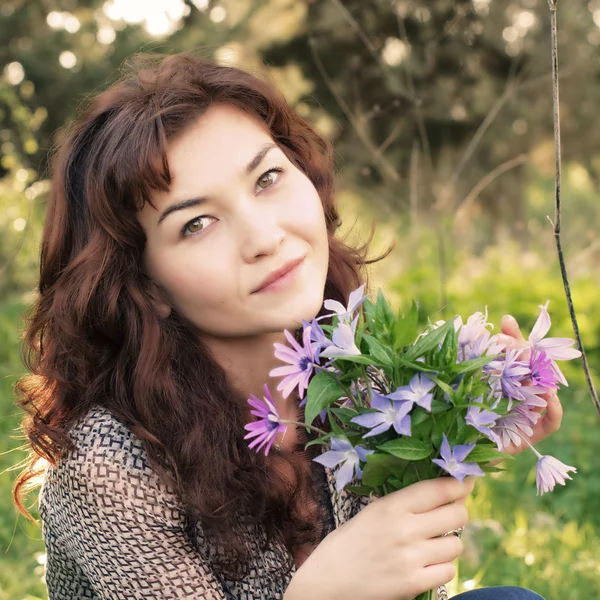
248, 361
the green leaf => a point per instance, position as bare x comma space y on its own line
443, 423
438, 406
463, 431
384, 313
429, 341
322, 391
320, 440
360, 358
359, 490
486, 454
405, 330
411, 475
407, 448
345, 415
335, 428
369, 312
415, 365
472, 365
486, 469
395, 483
444, 387
380, 466
449, 348
381, 353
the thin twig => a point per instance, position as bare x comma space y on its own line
386, 168
509, 90
486, 180
410, 81
414, 183
371, 48
557, 214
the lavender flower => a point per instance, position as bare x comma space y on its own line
542, 370
342, 452
416, 392
507, 374
301, 361
548, 472
482, 420
474, 339
554, 348
269, 424
343, 343
317, 337
344, 313
474, 328
389, 412
452, 460
509, 428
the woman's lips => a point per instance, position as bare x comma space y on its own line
283, 280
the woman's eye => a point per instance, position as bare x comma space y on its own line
194, 226
267, 179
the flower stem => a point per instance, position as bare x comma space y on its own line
524, 439
347, 390
319, 431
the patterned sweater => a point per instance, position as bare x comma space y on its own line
113, 530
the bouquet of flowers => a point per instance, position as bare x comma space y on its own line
404, 405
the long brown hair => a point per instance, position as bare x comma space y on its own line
95, 336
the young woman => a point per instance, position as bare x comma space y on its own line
191, 221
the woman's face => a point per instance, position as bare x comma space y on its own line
237, 211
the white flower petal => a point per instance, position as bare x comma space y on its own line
542, 325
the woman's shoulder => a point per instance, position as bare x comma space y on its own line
108, 466
100, 437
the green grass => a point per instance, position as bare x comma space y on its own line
20, 541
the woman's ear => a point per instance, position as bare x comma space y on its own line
160, 301
164, 310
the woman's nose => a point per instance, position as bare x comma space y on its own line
259, 236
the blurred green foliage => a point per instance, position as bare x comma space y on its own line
21, 547
402, 88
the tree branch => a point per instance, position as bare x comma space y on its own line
486, 180
386, 167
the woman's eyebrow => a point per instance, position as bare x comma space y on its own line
183, 204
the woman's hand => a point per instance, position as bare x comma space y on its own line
392, 549
552, 414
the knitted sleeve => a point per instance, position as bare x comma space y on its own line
112, 529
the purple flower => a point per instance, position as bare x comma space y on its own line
389, 412
342, 452
549, 471
474, 328
317, 337
554, 348
452, 461
474, 339
518, 421
343, 343
266, 428
344, 313
416, 392
507, 374
482, 420
301, 361
542, 370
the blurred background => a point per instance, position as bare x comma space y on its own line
441, 116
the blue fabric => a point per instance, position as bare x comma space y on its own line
503, 592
